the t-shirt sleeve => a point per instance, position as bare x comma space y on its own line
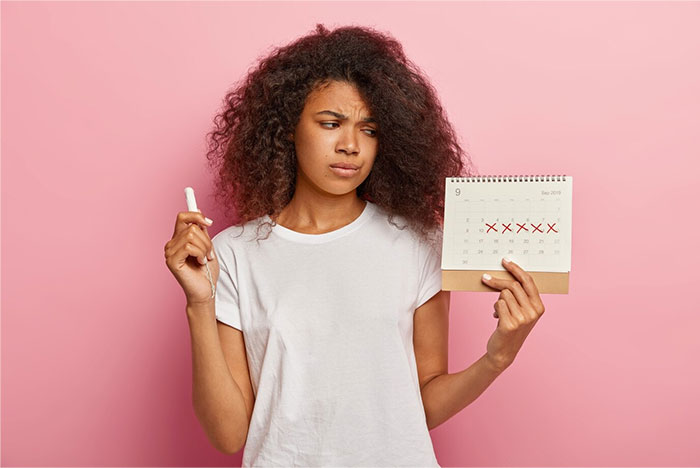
226, 304
430, 277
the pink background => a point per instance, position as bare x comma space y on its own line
104, 111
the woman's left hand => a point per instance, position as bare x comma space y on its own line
518, 309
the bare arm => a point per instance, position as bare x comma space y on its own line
443, 394
518, 309
447, 394
218, 401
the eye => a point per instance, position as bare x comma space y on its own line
372, 134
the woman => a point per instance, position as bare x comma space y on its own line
326, 341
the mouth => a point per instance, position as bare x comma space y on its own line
344, 171
345, 165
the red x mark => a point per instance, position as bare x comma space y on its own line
506, 227
551, 227
522, 226
536, 227
491, 226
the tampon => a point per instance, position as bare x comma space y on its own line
192, 206
191, 201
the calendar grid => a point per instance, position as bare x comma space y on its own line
527, 220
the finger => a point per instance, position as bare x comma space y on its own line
505, 318
503, 283
196, 237
185, 218
186, 246
208, 244
197, 252
513, 307
516, 289
524, 278
204, 241
513, 285
210, 252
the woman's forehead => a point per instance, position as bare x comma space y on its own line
336, 96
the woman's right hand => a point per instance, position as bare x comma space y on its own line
185, 254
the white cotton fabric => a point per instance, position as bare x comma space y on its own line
328, 326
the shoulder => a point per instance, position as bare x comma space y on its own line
391, 222
241, 234
399, 226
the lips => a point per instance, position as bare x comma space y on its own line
345, 166
343, 172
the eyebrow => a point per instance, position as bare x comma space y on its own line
343, 117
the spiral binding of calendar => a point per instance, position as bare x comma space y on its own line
511, 178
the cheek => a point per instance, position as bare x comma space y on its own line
370, 162
314, 145
313, 160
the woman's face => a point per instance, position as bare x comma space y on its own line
335, 127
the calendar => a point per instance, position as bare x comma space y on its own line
527, 218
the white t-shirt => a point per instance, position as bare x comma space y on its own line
328, 326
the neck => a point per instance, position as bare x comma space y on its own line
313, 215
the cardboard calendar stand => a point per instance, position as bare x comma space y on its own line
470, 280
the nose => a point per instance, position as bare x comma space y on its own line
348, 142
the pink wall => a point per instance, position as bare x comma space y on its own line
104, 111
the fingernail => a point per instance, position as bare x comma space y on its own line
507, 259
208, 221
211, 255
487, 276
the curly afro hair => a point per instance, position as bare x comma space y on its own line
417, 145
